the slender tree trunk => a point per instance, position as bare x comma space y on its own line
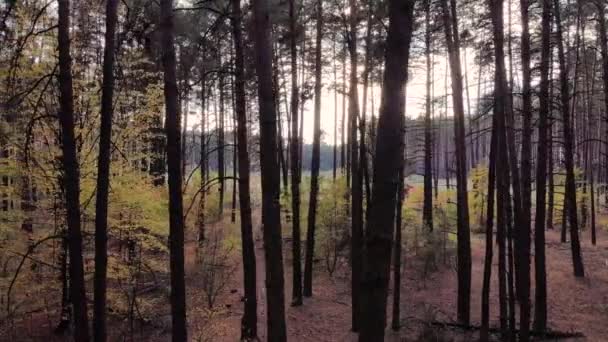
427, 210
602, 28
71, 176
570, 191
487, 268
295, 172
271, 215
221, 142
249, 320
540, 306
362, 127
463, 231
103, 175
176, 218
316, 158
501, 108
355, 172
335, 110
524, 229
396, 321
388, 162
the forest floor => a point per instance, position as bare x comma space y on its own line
574, 305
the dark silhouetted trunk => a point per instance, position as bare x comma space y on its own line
250, 319
603, 40
524, 229
463, 232
295, 162
540, 305
71, 176
570, 190
176, 218
271, 215
221, 165
427, 209
487, 267
387, 165
316, 158
396, 321
355, 173
103, 175
502, 163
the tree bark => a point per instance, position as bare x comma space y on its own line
249, 320
487, 267
463, 231
540, 306
427, 209
355, 172
570, 191
388, 161
523, 236
295, 162
71, 176
316, 158
271, 215
176, 218
103, 175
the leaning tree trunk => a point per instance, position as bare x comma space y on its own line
71, 176
176, 218
271, 215
103, 175
250, 319
316, 159
387, 163
463, 232
570, 190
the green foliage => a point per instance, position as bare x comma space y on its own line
478, 198
333, 222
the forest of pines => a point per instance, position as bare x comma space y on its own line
303, 170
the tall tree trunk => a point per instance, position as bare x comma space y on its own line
362, 126
203, 158
524, 228
355, 172
602, 28
295, 172
335, 57
487, 266
388, 162
103, 175
463, 231
502, 164
250, 319
316, 158
176, 218
396, 320
427, 210
540, 305
271, 215
570, 191
71, 175
221, 142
